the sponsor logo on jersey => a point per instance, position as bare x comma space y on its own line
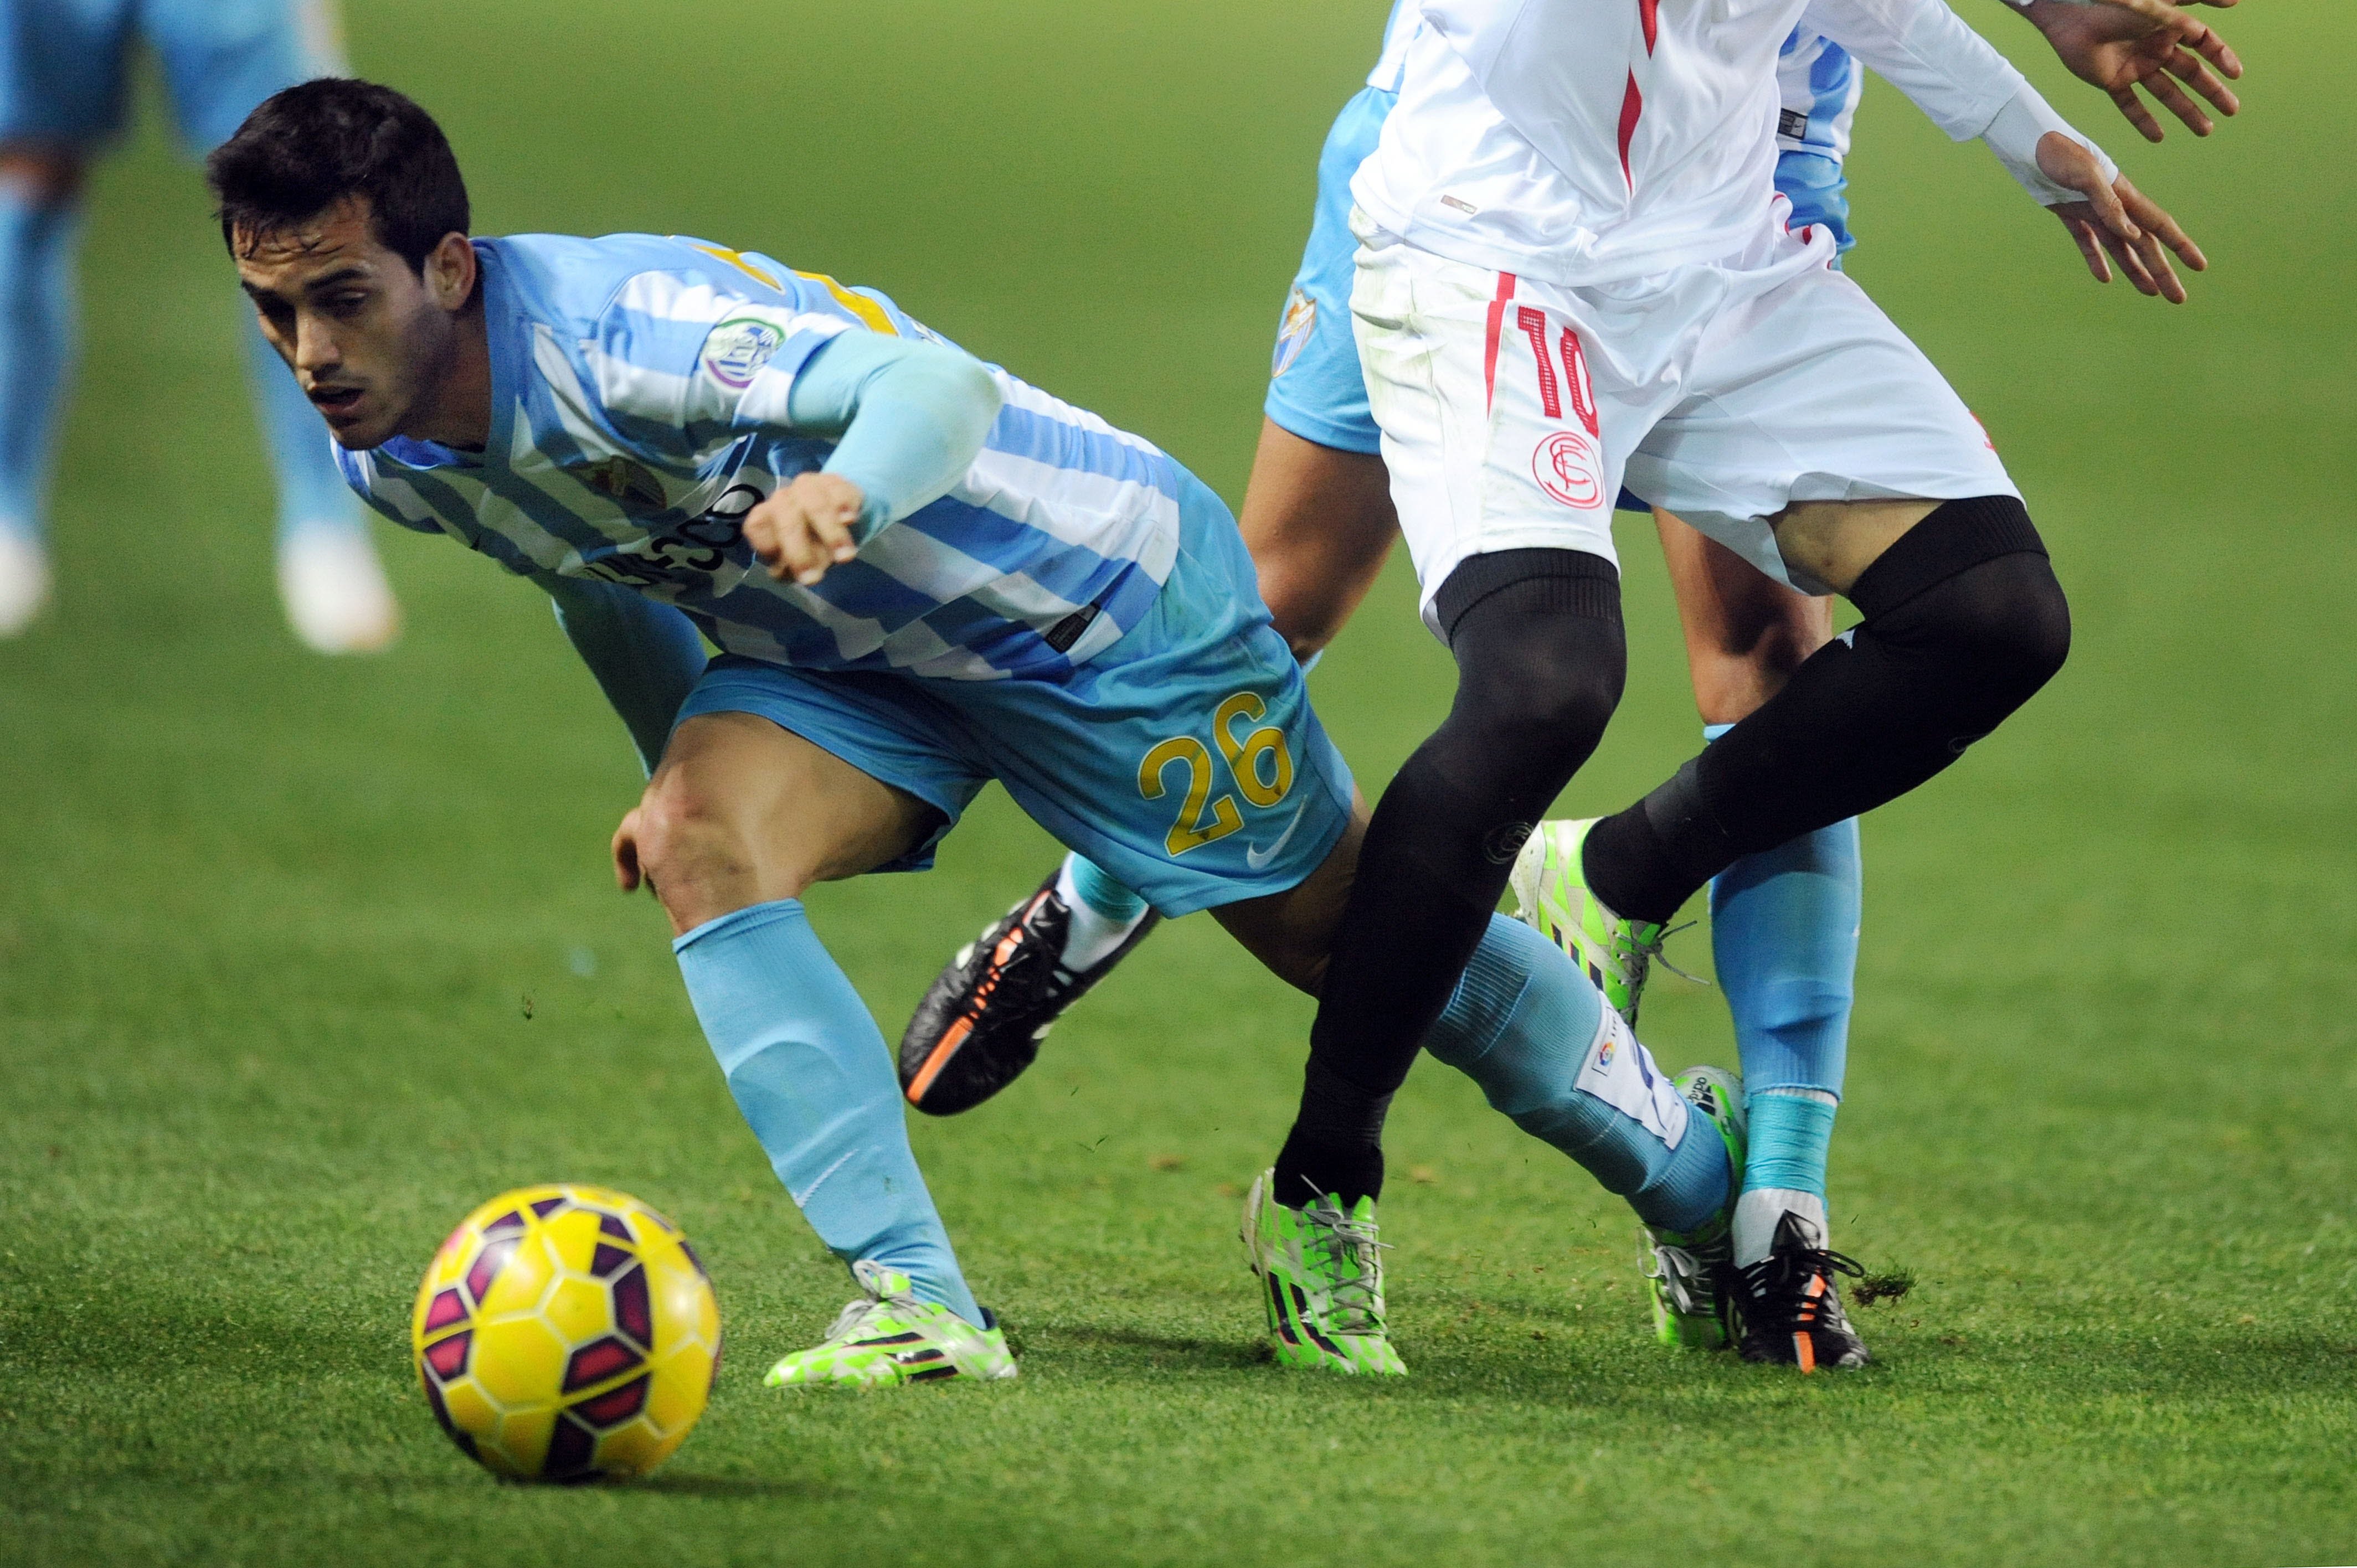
1793, 123
738, 349
1565, 466
1293, 336
627, 482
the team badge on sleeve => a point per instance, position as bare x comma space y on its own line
1300, 316
736, 350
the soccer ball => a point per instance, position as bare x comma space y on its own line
565, 1333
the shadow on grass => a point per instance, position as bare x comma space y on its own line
1164, 1351
737, 1489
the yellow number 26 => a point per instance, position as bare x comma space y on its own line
1259, 763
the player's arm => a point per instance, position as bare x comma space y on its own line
1969, 89
908, 417
646, 656
2122, 44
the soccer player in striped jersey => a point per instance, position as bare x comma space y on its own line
922, 574
1319, 521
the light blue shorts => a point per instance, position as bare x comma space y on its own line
1316, 389
1185, 760
65, 65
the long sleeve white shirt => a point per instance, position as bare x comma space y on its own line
1587, 142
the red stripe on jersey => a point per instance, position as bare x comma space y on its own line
1632, 105
1489, 341
1651, 11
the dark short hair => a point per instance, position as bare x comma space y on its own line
323, 141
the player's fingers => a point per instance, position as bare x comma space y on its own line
2132, 110
2110, 211
2131, 264
626, 854
2155, 257
830, 525
2218, 52
2189, 69
2164, 227
2090, 247
800, 554
2173, 99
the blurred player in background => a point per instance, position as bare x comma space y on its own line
1319, 517
65, 80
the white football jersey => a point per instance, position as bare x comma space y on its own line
1591, 141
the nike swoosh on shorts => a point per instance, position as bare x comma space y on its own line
1257, 858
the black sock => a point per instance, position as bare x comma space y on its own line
1336, 1146
1964, 623
1538, 639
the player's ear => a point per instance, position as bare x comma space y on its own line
450, 270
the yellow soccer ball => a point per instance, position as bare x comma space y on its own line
565, 1333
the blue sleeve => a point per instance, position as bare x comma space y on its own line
912, 417
646, 656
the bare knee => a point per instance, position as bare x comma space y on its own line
1735, 672
694, 851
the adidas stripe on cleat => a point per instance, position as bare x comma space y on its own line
1551, 897
980, 1024
888, 1337
1321, 1274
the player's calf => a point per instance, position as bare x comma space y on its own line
1964, 621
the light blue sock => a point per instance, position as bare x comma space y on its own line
311, 488
37, 345
1099, 891
815, 1082
1522, 1024
1790, 1133
1784, 927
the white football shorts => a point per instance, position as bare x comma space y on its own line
1512, 410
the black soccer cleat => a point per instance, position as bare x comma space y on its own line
981, 1022
1790, 1305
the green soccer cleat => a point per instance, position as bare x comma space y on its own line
1322, 1272
1692, 1275
1551, 897
888, 1337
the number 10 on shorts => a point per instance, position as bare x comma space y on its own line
1565, 464
1259, 763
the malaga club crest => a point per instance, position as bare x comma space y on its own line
738, 349
1301, 315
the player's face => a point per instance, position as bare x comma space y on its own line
371, 341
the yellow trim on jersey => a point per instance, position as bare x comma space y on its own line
859, 304
867, 309
736, 258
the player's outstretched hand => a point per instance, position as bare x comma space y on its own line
2117, 221
2122, 44
805, 527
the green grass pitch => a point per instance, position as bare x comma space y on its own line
299, 960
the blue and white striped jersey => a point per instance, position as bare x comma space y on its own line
1818, 85
639, 389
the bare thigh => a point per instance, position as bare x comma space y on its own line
1318, 522
743, 813
1835, 542
1292, 932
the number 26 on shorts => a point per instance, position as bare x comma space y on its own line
1259, 763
